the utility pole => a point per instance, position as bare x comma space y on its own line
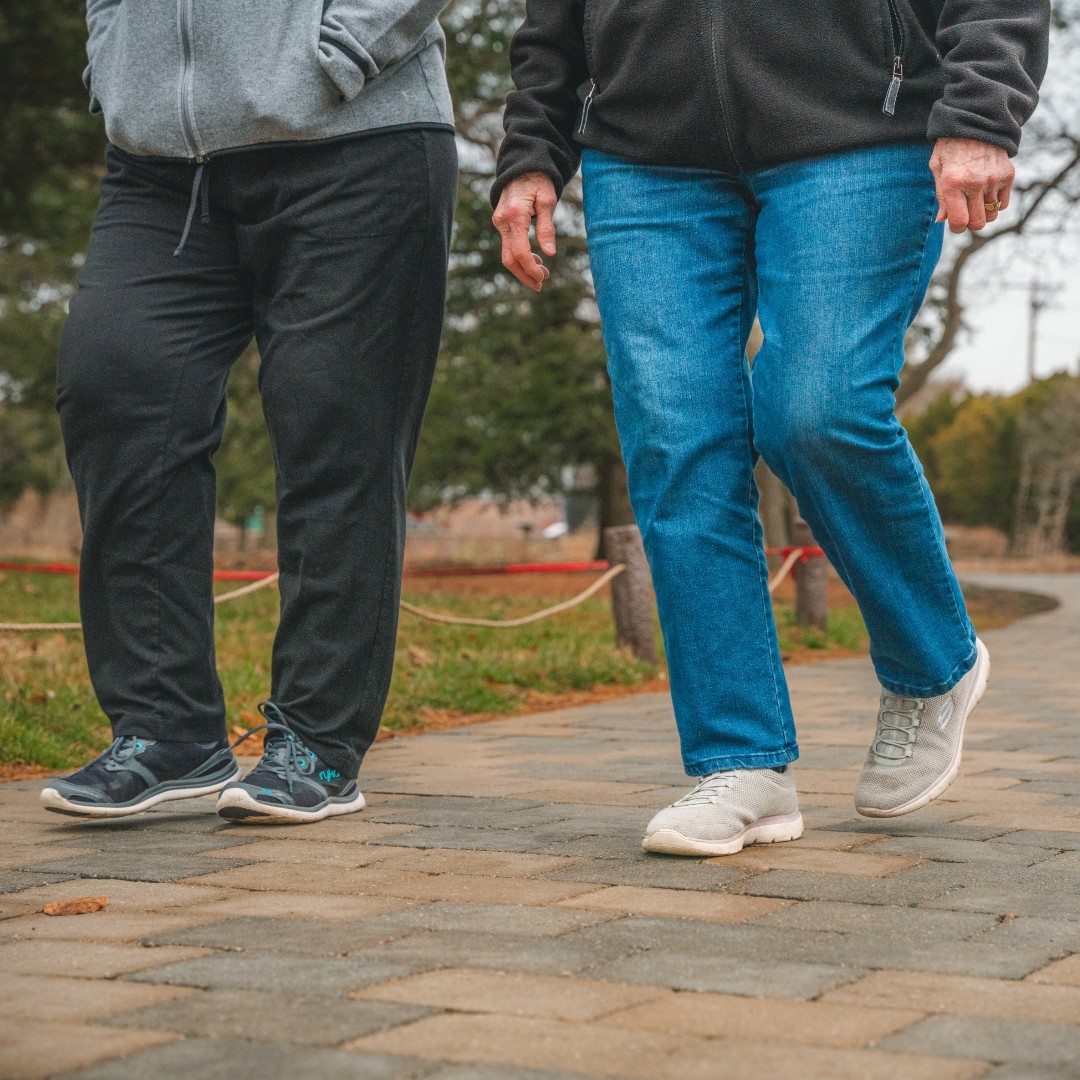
1038, 300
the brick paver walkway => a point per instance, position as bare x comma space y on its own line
491, 916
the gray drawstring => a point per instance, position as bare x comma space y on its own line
198, 188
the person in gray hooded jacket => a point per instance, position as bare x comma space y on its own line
283, 171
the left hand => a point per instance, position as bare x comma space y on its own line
970, 176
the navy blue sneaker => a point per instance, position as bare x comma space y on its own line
135, 774
289, 784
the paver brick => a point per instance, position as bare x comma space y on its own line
689, 970
943, 849
792, 857
916, 924
340, 907
85, 959
465, 861
957, 995
281, 1017
26, 856
32, 1050
479, 918
312, 976
305, 937
513, 994
124, 896
994, 1040
102, 926
667, 872
676, 903
239, 1059
499, 1072
729, 1016
131, 866
600, 1050
57, 998
1063, 973
467, 887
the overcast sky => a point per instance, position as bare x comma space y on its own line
993, 355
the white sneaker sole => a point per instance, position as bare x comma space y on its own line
51, 799
246, 810
771, 830
941, 784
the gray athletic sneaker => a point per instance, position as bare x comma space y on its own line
915, 754
727, 811
290, 784
135, 774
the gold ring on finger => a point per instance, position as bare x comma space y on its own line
993, 207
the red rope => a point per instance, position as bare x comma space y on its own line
418, 572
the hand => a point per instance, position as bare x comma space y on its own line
969, 175
529, 196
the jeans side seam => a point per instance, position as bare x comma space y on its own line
948, 576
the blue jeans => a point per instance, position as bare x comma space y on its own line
834, 255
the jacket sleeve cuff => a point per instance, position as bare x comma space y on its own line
344, 65
947, 122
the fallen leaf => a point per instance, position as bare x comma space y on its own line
82, 905
419, 657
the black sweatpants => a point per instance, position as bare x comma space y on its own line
333, 256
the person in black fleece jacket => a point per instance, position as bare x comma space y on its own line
794, 161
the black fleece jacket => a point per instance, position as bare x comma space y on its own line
737, 85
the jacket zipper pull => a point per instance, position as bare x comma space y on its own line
889, 108
585, 110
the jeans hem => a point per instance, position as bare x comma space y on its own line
942, 687
772, 759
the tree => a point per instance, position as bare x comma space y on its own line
50, 154
521, 393
1049, 435
1046, 195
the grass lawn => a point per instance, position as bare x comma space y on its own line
443, 674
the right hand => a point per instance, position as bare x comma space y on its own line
529, 196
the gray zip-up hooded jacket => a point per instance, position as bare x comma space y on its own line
189, 78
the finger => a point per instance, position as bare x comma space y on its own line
956, 210
1005, 194
509, 259
545, 226
522, 253
976, 209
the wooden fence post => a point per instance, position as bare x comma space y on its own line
811, 581
631, 591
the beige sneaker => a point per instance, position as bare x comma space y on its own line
727, 811
915, 754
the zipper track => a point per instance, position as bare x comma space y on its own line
186, 89
897, 29
711, 28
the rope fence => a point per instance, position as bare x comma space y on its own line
632, 603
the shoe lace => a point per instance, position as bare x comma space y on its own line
286, 756
122, 751
898, 724
708, 790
